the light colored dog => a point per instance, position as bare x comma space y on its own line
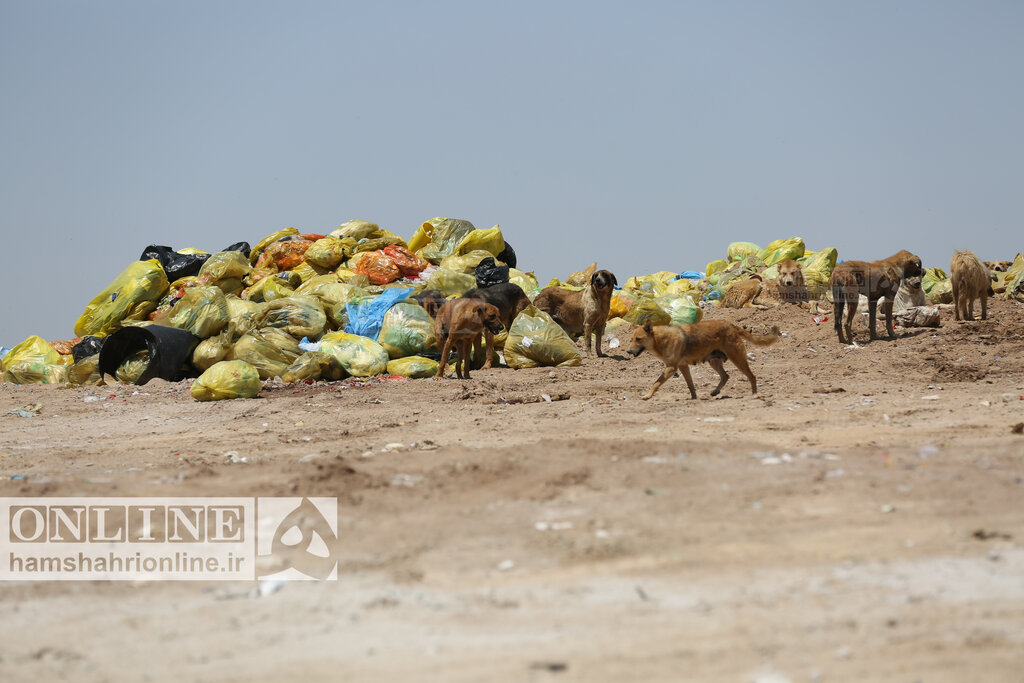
971, 280
583, 312
711, 342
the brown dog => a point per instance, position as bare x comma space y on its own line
998, 266
711, 341
971, 280
875, 280
741, 294
789, 287
462, 322
585, 311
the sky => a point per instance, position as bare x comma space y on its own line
645, 136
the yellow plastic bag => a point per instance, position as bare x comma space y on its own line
817, 268
34, 361
738, 251
715, 267
535, 339
938, 288
269, 350
314, 365
619, 307
299, 316
445, 236
136, 289
646, 309
226, 269
360, 356
526, 281
86, 372
406, 330
413, 367
227, 379
268, 289
329, 252
465, 263
581, 278
132, 367
680, 308
355, 229
655, 283
254, 255
489, 240
451, 283
1014, 280
782, 250
682, 286
203, 311
213, 349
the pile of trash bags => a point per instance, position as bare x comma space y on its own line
306, 307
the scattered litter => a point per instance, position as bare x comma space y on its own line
931, 397
406, 479
1007, 398
233, 457
717, 419
835, 474
651, 430
267, 587
927, 451
506, 565
613, 343
887, 509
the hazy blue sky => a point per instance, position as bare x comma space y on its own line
645, 136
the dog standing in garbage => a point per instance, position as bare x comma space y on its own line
875, 280
710, 341
971, 280
585, 311
462, 322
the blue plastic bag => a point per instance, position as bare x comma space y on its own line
365, 318
690, 275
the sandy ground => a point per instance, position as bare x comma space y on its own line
861, 519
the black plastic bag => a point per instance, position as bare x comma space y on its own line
89, 346
240, 246
489, 273
170, 351
175, 265
508, 256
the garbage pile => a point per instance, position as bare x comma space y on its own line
305, 307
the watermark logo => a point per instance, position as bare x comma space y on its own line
188, 538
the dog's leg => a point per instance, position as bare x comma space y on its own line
665, 376
887, 310
851, 311
956, 300
984, 306
587, 330
599, 331
837, 314
489, 339
723, 376
478, 354
446, 346
738, 356
685, 369
465, 346
872, 310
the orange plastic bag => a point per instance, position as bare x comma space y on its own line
285, 255
379, 268
407, 262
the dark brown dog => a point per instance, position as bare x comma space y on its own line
711, 341
876, 280
583, 312
508, 297
462, 322
431, 300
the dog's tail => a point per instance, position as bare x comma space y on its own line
761, 339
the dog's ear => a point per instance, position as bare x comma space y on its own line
647, 326
593, 279
615, 283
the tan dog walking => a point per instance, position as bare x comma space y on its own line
711, 341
